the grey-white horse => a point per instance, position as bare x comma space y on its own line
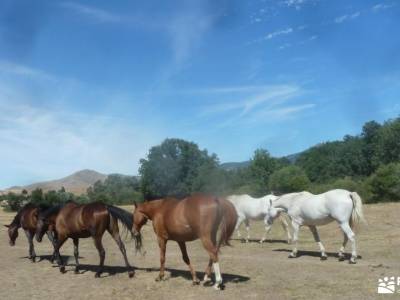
313, 210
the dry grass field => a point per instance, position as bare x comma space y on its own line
250, 271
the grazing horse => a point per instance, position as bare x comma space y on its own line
249, 208
313, 210
82, 221
27, 219
195, 217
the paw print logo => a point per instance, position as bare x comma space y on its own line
386, 285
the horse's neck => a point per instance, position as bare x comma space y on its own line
150, 208
283, 202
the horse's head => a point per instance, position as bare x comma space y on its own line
139, 219
273, 213
42, 226
12, 233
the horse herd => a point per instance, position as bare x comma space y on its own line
208, 218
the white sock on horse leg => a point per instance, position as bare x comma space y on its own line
218, 277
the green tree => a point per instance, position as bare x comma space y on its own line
289, 179
172, 167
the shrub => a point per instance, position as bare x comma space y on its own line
289, 179
384, 184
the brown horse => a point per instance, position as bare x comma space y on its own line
82, 221
27, 219
195, 217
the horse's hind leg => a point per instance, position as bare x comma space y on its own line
52, 239
32, 254
102, 254
341, 250
237, 227
76, 254
185, 257
317, 239
207, 273
117, 238
213, 252
351, 236
267, 230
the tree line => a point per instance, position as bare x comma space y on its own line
368, 163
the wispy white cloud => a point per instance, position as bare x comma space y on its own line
347, 17
281, 113
22, 70
381, 6
94, 13
276, 33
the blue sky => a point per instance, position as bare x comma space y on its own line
95, 84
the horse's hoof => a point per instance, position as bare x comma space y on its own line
33, 259
291, 255
161, 278
62, 270
261, 241
196, 282
208, 283
289, 241
324, 257
219, 286
352, 261
131, 274
97, 275
76, 271
341, 258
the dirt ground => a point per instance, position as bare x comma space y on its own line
250, 271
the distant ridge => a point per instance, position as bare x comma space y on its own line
76, 183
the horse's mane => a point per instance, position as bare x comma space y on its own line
17, 217
53, 210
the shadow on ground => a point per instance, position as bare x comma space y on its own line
316, 253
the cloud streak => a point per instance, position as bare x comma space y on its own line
347, 17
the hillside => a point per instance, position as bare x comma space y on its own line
76, 183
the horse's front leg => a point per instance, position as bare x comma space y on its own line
32, 254
296, 228
267, 230
162, 243
61, 240
247, 223
76, 254
318, 241
52, 239
285, 227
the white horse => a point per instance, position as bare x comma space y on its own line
313, 210
249, 208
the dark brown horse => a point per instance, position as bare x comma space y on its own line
27, 219
196, 217
82, 221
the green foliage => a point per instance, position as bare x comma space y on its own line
15, 201
116, 189
262, 165
384, 184
173, 167
289, 179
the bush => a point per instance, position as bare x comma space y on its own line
384, 184
289, 179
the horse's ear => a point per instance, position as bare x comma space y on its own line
8, 226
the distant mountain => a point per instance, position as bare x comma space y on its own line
229, 166
76, 183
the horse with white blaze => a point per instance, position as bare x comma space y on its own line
313, 210
249, 208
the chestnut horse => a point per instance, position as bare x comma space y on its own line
82, 221
195, 217
27, 219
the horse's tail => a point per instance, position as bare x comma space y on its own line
228, 218
357, 215
119, 214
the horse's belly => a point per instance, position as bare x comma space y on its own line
318, 221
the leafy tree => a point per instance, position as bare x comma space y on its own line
172, 168
37, 196
289, 179
262, 165
384, 184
